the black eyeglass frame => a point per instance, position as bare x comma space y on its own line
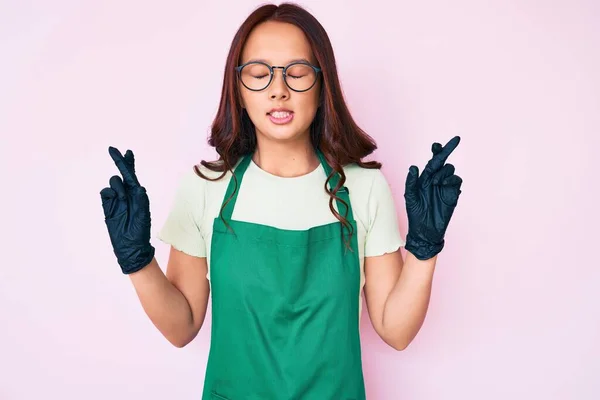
272, 74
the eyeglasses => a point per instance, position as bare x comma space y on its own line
298, 76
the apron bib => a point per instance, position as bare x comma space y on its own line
285, 323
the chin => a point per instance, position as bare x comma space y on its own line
286, 134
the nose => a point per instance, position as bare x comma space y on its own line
278, 88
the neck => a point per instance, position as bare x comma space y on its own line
288, 160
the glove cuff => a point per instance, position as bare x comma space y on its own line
138, 260
422, 249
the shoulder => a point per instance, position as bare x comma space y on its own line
364, 180
189, 188
191, 184
209, 173
211, 187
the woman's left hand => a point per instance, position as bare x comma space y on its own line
430, 201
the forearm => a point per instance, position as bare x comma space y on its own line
164, 304
407, 303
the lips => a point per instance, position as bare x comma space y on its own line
281, 117
280, 114
280, 110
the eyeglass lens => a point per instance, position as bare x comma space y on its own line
256, 76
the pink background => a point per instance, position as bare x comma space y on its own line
514, 309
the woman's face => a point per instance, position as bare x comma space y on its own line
278, 44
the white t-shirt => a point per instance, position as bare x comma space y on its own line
296, 203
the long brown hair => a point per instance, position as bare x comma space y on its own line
333, 130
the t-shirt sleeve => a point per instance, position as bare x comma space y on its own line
182, 228
383, 233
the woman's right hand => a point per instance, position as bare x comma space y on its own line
127, 215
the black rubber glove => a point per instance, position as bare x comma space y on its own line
127, 215
430, 202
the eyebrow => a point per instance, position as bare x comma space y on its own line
289, 62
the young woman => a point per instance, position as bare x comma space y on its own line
286, 228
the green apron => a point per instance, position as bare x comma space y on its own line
285, 323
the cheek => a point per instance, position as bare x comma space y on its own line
310, 104
250, 102
255, 108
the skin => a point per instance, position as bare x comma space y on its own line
397, 294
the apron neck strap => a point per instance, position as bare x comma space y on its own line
238, 174
241, 168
